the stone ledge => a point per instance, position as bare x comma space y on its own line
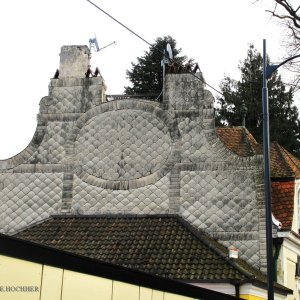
73, 81
39, 168
235, 236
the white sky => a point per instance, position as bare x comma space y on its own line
216, 33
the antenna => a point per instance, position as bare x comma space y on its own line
169, 51
94, 44
168, 57
113, 43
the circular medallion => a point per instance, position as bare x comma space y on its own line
123, 145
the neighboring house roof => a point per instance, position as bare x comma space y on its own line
164, 245
241, 142
292, 161
238, 139
283, 163
284, 166
283, 202
280, 167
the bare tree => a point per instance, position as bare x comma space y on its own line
288, 14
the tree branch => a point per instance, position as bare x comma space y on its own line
292, 13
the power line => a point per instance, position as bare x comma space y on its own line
119, 22
110, 16
207, 84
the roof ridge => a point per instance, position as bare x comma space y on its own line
112, 216
30, 226
245, 136
279, 148
291, 157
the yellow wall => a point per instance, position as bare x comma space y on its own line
251, 297
19, 279
81, 287
51, 285
287, 268
25, 280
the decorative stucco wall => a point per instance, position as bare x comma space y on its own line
132, 156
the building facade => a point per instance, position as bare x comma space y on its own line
93, 157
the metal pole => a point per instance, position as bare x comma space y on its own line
267, 177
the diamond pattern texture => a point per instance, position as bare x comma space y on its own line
179, 96
248, 250
222, 196
66, 99
221, 202
73, 99
28, 198
194, 142
144, 200
123, 145
52, 148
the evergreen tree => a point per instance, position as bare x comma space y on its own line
284, 117
146, 74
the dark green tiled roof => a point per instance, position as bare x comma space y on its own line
161, 245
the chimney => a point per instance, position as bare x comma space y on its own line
233, 252
71, 90
74, 61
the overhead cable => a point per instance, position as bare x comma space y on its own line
151, 45
119, 22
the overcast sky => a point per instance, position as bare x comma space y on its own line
216, 33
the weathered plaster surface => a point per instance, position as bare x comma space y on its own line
89, 156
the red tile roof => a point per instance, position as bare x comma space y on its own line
280, 167
283, 166
241, 142
292, 161
238, 139
283, 202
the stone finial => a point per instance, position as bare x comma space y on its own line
74, 61
244, 111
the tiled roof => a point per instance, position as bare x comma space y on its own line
283, 202
292, 161
162, 245
279, 165
242, 143
283, 163
238, 139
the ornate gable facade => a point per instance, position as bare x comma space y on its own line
134, 156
